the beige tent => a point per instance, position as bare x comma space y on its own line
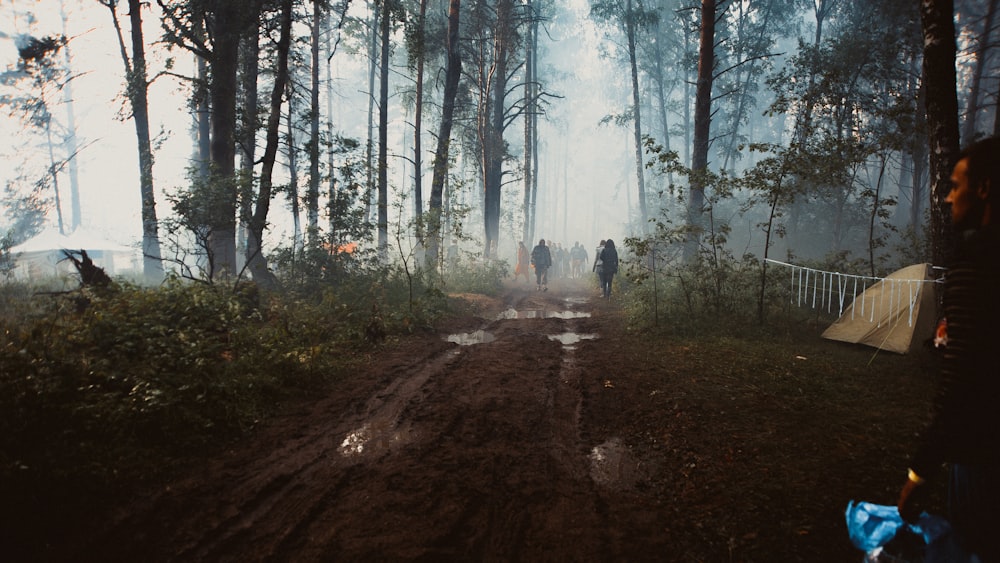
42, 256
896, 314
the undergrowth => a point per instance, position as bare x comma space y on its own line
102, 388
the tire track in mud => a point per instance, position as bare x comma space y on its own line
456, 452
491, 430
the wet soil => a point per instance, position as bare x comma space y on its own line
534, 429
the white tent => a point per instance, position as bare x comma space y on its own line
896, 314
42, 255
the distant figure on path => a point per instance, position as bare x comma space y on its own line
598, 267
522, 263
578, 255
541, 259
609, 267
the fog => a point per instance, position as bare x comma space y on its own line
583, 172
586, 170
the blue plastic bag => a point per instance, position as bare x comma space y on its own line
872, 526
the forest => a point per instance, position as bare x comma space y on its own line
795, 129
286, 189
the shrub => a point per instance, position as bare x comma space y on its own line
100, 385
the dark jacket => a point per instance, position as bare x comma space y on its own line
965, 424
541, 257
609, 260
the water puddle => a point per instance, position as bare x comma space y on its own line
470, 338
541, 314
374, 437
610, 463
568, 339
354, 443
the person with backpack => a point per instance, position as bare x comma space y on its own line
541, 259
609, 267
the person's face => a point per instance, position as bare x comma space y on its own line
966, 201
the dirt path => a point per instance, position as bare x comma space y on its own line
538, 429
473, 444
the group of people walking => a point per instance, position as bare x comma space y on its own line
541, 258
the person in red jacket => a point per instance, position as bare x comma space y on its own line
964, 430
522, 263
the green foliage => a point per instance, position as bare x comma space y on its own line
396, 297
714, 289
100, 386
472, 274
707, 293
24, 207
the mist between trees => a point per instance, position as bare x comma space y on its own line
263, 133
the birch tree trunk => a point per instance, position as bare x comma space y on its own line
418, 161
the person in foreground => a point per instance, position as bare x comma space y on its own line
964, 430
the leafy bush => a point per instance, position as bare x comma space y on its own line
471, 274
713, 294
99, 385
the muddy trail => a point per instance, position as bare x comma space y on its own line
475, 443
538, 428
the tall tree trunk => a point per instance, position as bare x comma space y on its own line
821, 9
636, 117
138, 87
747, 77
534, 158
529, 136
312, 192
383, 134
937, 21
255, 247
687, 102
918, 153
329, 48
247, 145
292, 147
72, 168
418, 160
227, 28
53, 172
372, 71
662, 95
972, 107
702, 124
203, 120
493, 144
873, 217
453, 72
533, 116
